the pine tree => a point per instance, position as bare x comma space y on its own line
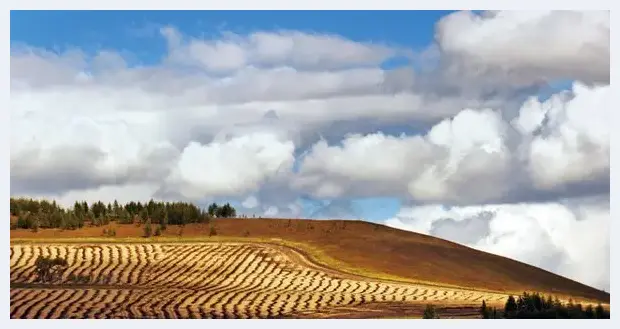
430, 313
213, 210
116, 208
599, 312
148, 230
511, 307
484, 311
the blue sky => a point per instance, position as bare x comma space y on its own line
136, 31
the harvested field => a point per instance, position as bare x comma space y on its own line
209, 280
365, 249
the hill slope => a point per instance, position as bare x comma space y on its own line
211, 280
366, 248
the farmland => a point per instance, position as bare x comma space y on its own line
264, 268
204, 280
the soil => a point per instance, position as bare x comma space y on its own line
375, 248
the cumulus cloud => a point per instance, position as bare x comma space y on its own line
568, 237
164, 116
477, 156
250, 202
573, 143
236, 166
530, 45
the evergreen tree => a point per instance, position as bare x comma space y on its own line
484, 311
213, 210
430, 312
511, 307
116, 208
599, 312
148, 230
77, 207
23, 221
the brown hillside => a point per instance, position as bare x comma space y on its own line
379, 249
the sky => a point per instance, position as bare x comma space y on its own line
485, 128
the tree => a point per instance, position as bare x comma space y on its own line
599, 312
164, 219
23, 221
48, 269
15, 207
430, 312
484, 311
212, 210
148, 230
116, 208
50, 215
212, 231
549, 303
511, 306
589, 312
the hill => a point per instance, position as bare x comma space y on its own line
372, 250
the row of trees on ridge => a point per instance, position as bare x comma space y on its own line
534, 306
35, 214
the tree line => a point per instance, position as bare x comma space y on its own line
35, 214
533, 306
537, 306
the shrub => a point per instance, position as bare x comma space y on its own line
430, 312
49, 269
148, 230
109, 232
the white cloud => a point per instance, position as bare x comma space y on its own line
530, 45
250, 202
236, 166
477, 156
160, 113
297, 49
271, 211
570, 238
574, 144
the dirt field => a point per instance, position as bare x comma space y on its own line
206, 280
257, 268
372, 250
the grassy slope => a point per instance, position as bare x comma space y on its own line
372, 250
